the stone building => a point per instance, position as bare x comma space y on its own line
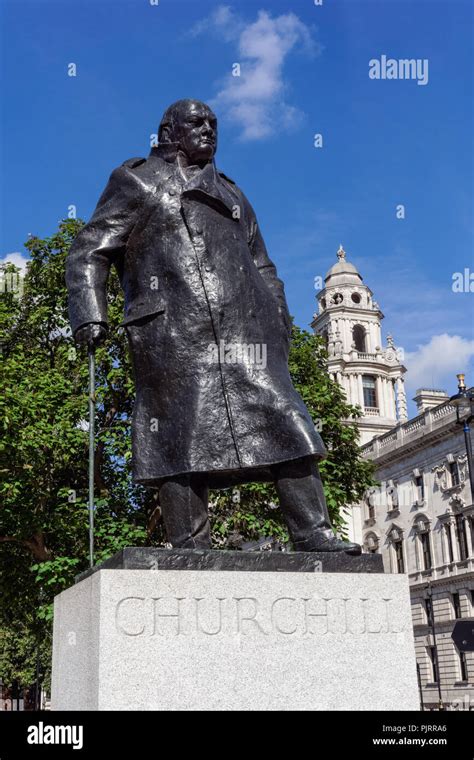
421, 516
421, 519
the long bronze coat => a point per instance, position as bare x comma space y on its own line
206, 318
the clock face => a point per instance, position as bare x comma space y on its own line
337, 298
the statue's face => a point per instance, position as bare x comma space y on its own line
196, 132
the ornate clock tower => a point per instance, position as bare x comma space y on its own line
371, 375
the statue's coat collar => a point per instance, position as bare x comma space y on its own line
206, 186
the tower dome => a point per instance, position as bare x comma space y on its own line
343, 272
371, 375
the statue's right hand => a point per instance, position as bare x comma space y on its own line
92, 334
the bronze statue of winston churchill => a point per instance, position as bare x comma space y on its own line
200, 288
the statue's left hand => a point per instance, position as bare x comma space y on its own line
92, 334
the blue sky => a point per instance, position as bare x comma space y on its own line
304, 70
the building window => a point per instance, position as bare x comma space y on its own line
397, 559
463, 666
419, 488
426, 550
454, 473
449, 542
456, 605
370, 505
434, 664
398, 548
372, 544
429, 611
358, 337
370, 396
472, 597
392, 499
356, 298
462, 537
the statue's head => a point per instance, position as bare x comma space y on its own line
193, 126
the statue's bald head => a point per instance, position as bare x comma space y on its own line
193, 125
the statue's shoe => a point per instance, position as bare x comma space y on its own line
323, 541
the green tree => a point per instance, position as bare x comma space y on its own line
44, 448
44, 451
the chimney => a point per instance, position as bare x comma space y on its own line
427, 398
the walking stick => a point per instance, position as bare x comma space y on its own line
91, 354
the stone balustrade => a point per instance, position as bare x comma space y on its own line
422, 425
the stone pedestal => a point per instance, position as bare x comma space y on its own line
247, 639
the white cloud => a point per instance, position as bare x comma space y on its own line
435, 364
256, 100
17, 259
223, 20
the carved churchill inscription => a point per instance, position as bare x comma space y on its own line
282, 616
